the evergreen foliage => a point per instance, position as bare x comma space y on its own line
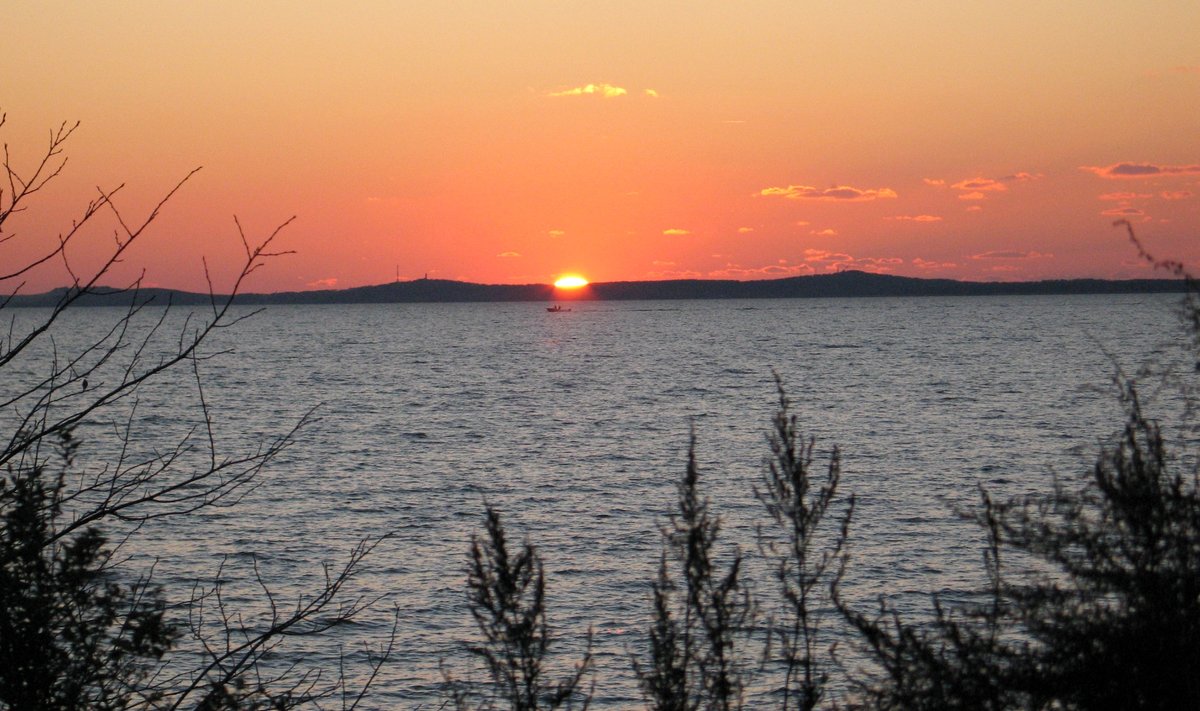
797, 502
71, 635
700, 613
507, 599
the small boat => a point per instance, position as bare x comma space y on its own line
556, 309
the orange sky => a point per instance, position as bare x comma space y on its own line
513, 142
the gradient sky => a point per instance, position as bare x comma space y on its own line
512, 142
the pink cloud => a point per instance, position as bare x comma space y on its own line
1120, 171
1021, 177
824, 255
975, 208
827, 232
770, 271
326, 283
839, 193
1008, 254
676, 232
675, 274
926, 264
916, 218
973, 196
840, 261
980, 184
1125, 196
508, 255
1123, 212
745, 230
935, 182
1175, 194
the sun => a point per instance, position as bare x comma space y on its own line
570, 281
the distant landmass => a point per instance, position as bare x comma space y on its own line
840, 285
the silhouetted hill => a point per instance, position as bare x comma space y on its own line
841, 284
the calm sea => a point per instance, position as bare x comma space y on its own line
575, 426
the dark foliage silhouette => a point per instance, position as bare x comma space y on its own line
1111, 621
80, 627
700, 614
1102, 610
70, 637
506, 595
805, 557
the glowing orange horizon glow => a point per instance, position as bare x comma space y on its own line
1000, 147
570, 281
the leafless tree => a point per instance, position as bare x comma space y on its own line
101, 380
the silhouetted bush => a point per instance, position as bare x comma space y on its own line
506, 594
806, 560
1111, 621
700, 613
1102, 610
79, 628
70, 637
1092, 600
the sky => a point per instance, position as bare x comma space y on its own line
621, 140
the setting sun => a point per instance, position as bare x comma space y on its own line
570, 281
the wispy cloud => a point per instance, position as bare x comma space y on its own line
1123, 212
980, 184
916, 218
1119, 171
974, 208
827, 232
1007, 254
827, 261
603, 89
770, 271
928, 265
745, 230
1176, 194
824, 255
326, 283
839, 193
1124, 196
935, 182
556, 233
508, 255
676, 232
675, 274
651, 93
979, 187
1021, 177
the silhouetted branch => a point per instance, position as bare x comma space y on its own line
506, 594
101, 644
797, 505
694, 658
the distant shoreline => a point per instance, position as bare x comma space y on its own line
847, 284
